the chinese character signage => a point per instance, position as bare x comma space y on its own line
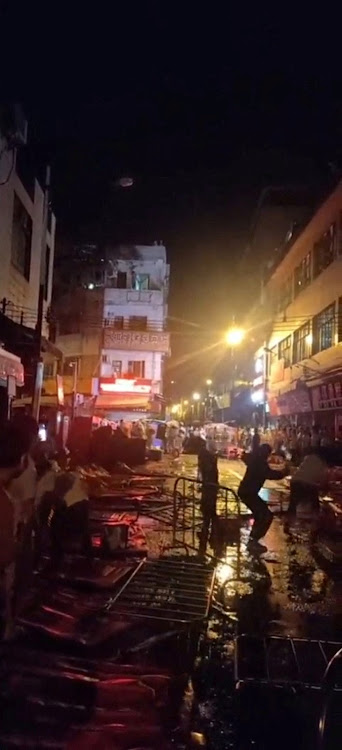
139, 340
327, 396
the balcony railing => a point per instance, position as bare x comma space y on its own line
135, 325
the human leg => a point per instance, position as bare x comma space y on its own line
261, 513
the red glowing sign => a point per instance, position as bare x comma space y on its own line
125, 385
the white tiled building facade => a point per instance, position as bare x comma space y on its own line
135, 340
21, 243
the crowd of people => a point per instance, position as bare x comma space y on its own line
32, 485
308, 454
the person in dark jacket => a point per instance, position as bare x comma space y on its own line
208, 470
258, 470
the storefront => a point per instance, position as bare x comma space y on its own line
129, 399
293, 406
11, 377
327, 404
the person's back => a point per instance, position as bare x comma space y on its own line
257, 471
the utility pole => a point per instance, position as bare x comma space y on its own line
38, 379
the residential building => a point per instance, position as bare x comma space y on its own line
111, 328
135, 339
300, 363
280, 213
77, 318
26, 246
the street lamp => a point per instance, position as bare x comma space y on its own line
235, 336
196, 396
209, 382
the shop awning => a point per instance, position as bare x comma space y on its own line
11, 366
122, 401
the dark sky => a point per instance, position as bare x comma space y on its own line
202, 108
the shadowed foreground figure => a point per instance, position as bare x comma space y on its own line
207, 465
257, 472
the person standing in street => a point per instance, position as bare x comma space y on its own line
258, 470
13, 450
255, 441
208, 471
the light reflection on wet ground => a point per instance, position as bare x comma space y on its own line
284, 593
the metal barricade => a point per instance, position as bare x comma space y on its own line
330, 721
187, 515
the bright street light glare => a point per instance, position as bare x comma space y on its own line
209, 381
235, 336
196, 396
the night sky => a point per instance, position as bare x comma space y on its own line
203, 109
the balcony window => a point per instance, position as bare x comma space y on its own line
137, 323
340, 319
302, 274
284, 298
141, 281
324, 251
324, 329
21, 238
136, 368
285, 350
117, 367
121, 280
47, 272
49, 369
302, 343
69, 365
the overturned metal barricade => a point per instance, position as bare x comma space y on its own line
168, 589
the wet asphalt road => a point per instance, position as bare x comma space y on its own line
287, 591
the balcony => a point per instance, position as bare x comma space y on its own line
114, 297
118, 323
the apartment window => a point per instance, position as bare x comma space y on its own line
339, 238
340, 319
324, 251
302, 274
284, 350
138, 322
121, 280
104, 359
49, 369
141, 281
117, 367
136, 368
285, 295
69, 365
302, 343
47, 272
21, 238
324, 329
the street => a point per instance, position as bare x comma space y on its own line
287, 590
